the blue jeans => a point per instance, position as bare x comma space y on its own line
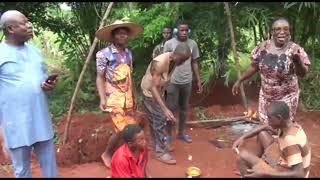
178, 94
45, 152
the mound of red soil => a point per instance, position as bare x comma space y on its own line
222, 95
87, 139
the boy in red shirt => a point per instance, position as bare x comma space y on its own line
130, 160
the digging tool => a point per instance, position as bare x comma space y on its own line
230, 119
214, 123
248, 117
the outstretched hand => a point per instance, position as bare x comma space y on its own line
169, 116
296, 57
200, 88
236, 87
237, 144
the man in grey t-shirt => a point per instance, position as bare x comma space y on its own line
180, 88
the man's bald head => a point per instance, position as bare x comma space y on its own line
16, 27
9, 17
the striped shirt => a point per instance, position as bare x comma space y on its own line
295, 148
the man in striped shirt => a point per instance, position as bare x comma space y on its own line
283, 149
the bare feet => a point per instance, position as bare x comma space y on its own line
236, 172
5, 151
167, 159
169, 147
106, 159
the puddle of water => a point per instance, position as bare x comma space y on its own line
225, 136
241, 128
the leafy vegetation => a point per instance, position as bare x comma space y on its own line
65, 36
231, 73
309, 87
200, 114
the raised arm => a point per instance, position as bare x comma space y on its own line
301, 62
247, 74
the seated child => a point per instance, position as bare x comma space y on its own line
283, 149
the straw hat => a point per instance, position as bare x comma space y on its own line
104, 34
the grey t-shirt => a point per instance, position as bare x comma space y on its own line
182, 74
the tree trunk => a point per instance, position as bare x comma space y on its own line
235, 55
65, 135
222, 50
255, 35
222, 55
307, 26
261, 33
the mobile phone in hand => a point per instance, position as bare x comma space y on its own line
52, 78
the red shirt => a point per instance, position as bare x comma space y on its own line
125, 165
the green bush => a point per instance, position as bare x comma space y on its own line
231, 74
309, 87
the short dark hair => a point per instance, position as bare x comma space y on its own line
182, 22
182, 48
129, 131
167, 27
281, 108
113, 32
278, 19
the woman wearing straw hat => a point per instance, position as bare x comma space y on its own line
114, 80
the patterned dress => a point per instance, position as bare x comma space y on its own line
278, 77
117, 67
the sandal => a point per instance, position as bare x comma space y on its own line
237, 173
167, 159
185, 138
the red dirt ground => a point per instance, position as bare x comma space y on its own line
77, 159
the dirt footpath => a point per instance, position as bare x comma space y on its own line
212, 160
